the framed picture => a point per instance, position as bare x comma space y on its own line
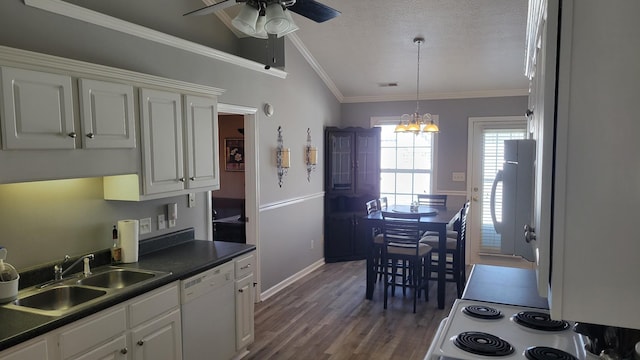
234, 154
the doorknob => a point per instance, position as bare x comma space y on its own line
529, 233
474, 198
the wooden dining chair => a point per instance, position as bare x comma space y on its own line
402, 234
377, 238
433, 200
456, 248
383, 203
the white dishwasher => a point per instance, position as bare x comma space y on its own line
208, 314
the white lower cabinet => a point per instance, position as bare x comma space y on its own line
159, 339
37, 348
245, 299
147, 327
115, 349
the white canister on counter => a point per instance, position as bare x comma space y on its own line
9, 279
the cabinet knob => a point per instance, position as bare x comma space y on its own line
140, 342
72, 135
240, 290
124, 351
528, 113
91, 135
193, 178
181, 179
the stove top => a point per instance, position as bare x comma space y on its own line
479, 330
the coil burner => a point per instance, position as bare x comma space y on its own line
547, 353
480, 343
482, 312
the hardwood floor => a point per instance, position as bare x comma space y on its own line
325, 316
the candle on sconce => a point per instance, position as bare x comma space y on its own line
313, 155
286, 154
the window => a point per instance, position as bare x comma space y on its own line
492, 159
406, 163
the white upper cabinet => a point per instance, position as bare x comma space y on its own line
107, 112
161, 136
37, 110
201, 125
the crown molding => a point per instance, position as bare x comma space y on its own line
92, 17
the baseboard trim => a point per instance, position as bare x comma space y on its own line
290, 280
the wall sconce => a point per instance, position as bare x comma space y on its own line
311, 155
283, 156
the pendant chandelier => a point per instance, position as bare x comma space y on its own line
417, 123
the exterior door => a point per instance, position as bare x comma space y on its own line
486, 147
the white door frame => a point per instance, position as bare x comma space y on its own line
251, 188
475, 174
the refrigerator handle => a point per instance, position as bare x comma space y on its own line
492, 202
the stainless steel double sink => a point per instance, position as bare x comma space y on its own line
78, 292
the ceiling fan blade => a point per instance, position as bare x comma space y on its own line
214, 7
314, 10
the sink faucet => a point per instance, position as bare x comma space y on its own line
59, 273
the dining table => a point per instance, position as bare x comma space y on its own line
431, 219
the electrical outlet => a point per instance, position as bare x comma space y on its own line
162, 222
458, 176
192, 200
145, 225
172, 223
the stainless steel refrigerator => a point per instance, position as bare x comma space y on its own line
517, 177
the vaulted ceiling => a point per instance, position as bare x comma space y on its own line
473, 48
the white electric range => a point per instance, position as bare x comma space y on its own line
481, 330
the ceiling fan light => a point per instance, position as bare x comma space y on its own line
292, 25
261, 33
276, 20
246, 20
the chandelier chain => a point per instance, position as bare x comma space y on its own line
419, 41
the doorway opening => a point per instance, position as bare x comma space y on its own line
486, 144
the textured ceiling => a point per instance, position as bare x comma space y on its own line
472, 48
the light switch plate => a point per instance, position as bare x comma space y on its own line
458, 176
162, 222
145, 225
191, 200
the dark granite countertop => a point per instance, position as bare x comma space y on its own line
184, 259
504, 285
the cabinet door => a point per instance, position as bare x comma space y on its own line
340, 157
244, 311
367, 166
201, 120
107, 115
115, 349
34, 350
338, 237
37, 110
161, 135
160, 339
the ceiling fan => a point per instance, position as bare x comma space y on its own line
261, 18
